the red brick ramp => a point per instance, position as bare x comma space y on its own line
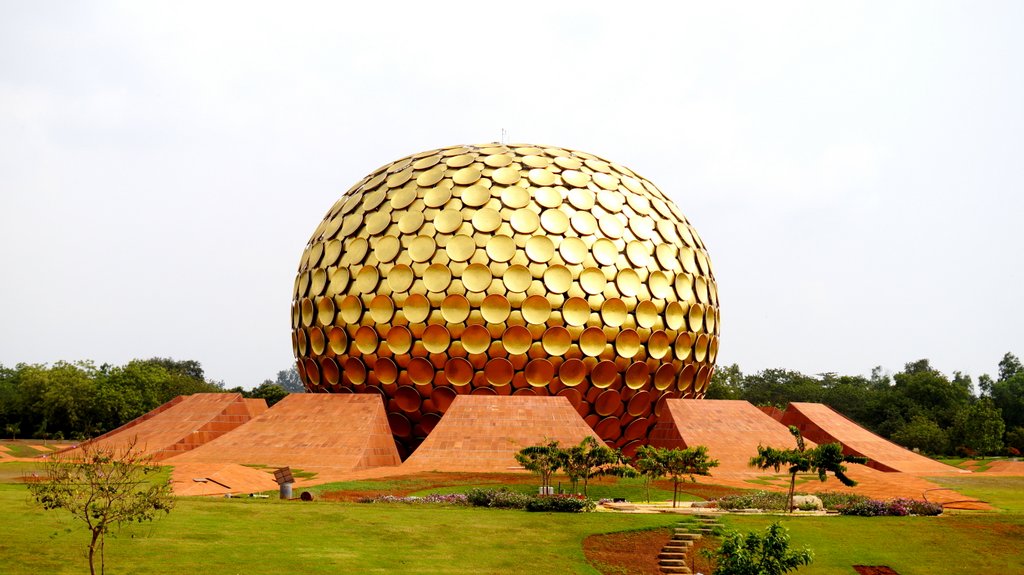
823, 424
308, 431
220, 479
482, 433
182, 424
731, 430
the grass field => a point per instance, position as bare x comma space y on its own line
955, 542
273, 537
255, 536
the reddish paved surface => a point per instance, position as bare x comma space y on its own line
824, 425
182, 424
481, 433
219, 479
731, 430
1005, 467
320, 432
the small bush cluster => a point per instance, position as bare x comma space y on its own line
506, 499
561, 504
776, 501
498, 498
767, 500
836, 500
892, 507
443, 498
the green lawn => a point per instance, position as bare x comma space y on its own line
956, 542
273, 537
226, 536
1004, 493
22, 450
971, 543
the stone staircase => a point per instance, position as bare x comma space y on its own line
674, 555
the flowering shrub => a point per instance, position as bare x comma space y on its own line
498, 498
768, 500
443, 498
561, 503
893, 507
505, 499
835, 499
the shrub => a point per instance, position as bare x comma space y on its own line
835, 499
441, 498
768, 500
506, 499
497, 498
561, 504
775, 501
763, 554
892, 507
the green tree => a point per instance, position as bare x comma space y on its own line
823, 459
1010, 366
189, 368
591, 458
59, 399
1007, 391
754, 554
923, 434
650, 465
681, 464
726, 383
856, 397
290, 381
543, 460
268, 391
779, 387
928, 392
980, 427
103, 489
676, 464
1015, 438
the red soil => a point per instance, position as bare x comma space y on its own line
636, 552
629, 553
874, 570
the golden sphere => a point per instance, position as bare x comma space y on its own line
507, 269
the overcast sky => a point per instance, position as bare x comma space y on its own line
856, 170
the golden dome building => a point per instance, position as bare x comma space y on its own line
507, 270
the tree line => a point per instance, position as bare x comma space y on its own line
77, 400
918, 407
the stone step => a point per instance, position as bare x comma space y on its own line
686, 536
671, 562
683, 569
680, 549
671, 555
